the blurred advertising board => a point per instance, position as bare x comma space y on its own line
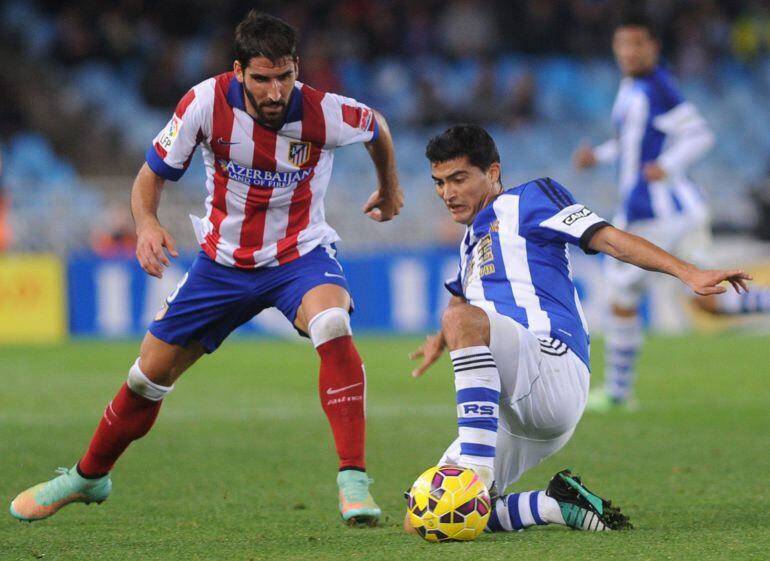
32, 299
393, 291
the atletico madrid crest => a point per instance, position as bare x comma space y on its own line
299, 153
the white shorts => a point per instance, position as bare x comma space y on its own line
542, 398
687, 237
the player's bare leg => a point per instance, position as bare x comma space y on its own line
323, 314
477, 383
128, 417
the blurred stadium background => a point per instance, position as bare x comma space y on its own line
86, 85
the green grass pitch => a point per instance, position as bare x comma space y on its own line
241, 464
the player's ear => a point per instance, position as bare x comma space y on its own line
238, 69
493, 173
296, 67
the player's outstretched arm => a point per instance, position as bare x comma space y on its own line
387, 200
151, 236
642, 253
433, 347
430, 351
689, 139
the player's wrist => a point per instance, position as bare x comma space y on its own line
145, 223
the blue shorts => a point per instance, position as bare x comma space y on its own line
212, 300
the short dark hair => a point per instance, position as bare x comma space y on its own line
464, 140
638, 18
262, 35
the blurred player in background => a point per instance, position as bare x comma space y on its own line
268, 143
659, 137
515, 329
5, 227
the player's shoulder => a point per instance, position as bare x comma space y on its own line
313, 94
662, 89
221, 83
309, 93
204, 91
545, 189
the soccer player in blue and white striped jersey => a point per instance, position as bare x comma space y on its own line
659, 137
515, 330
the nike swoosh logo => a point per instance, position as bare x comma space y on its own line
221, 140
331, 391
333, 275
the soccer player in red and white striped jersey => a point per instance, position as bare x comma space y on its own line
268, 145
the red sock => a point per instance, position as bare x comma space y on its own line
127, 417
341, 385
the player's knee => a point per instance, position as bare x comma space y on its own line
140, 384
329, 324
465, 325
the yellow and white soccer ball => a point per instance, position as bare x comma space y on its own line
448, 503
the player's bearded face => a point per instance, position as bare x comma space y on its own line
267, 86
464, 188
635, 50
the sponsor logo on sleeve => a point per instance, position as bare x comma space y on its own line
170, 133
358, 117
575, 216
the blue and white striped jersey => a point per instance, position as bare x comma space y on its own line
655, 124
514, 260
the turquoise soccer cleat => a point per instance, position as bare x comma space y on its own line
45, 499
582, 509
356, 503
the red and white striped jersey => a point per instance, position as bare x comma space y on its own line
265, 187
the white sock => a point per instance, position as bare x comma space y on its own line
521, 510
477, 383
623, 342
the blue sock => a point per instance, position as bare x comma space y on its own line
520, 510
623, 342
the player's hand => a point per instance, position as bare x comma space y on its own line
382, 208
430, 351
705, 283
151, 240
584, 157
653, 172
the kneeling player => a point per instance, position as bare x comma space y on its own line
515, 329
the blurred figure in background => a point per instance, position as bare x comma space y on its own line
5, 204
521, 103
659, 137
115, 236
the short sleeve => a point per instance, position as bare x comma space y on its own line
351, 121
549, 212
173, 147
454, 285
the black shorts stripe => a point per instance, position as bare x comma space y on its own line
553, 353
551, 343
